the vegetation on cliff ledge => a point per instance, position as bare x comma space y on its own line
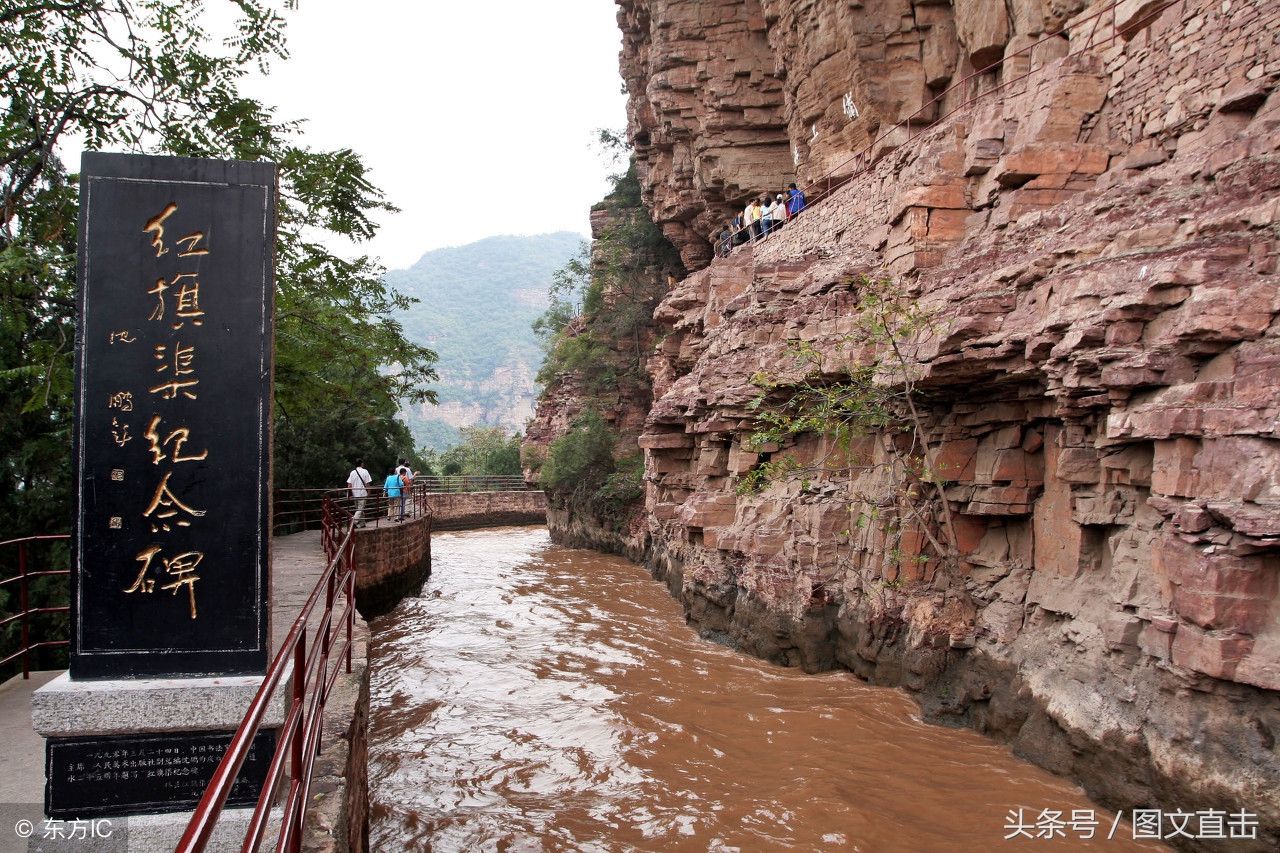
862, 398
598, 332
581, 473
602, 300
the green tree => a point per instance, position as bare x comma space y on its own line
614, 287
864, 386
483, 451
582, 472
579, 461
318, 451
148, 75
569, 294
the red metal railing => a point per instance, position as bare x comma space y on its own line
822, 188
295, 510
26, 611
299, 739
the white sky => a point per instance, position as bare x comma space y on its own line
475, 117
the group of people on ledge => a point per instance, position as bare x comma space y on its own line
396, 489
761, 217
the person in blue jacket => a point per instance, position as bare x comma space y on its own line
394, 488
795, 201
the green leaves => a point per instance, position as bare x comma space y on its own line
483, 450
862, 386
841, 398
151, 76
328, 189
568, 292
613, 286
579, 460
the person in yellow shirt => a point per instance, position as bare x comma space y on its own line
752, 217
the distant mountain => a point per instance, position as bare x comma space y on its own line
476, 306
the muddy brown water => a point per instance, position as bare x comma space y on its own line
539, 698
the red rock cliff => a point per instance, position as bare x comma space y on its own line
1096, 234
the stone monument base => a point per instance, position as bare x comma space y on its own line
159, 833
137, 754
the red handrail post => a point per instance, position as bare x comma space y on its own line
351, 594
296, 764
328, 605
26, 631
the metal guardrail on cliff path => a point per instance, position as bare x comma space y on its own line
299, 740
296, 510
26, 611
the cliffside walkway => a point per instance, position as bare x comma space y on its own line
391, 558
1103, 25
296, 563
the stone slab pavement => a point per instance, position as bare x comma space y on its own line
22, 757
296, 564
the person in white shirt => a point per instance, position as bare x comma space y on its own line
358, 487
406, 480
769, 221
750, 215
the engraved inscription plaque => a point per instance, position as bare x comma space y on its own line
145, 774
170, 536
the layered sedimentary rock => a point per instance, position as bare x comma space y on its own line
689, 67
733, 99
1096, 243
631, 266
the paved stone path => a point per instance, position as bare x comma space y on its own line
296, 564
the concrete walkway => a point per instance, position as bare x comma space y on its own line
296, 564
22, 759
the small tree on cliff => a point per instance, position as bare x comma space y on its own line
581, 472
864, 387
614, 287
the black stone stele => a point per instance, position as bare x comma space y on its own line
146, 774
171, 530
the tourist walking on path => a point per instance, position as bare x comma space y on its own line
771, 220
394, 490
795, 201
406, 483
358, 487
753, 213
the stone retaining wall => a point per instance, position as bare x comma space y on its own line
468, 510
392, 560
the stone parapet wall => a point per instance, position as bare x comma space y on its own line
469, 510
392, 560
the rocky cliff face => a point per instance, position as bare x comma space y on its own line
1096, 239
632, 266
730, 99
